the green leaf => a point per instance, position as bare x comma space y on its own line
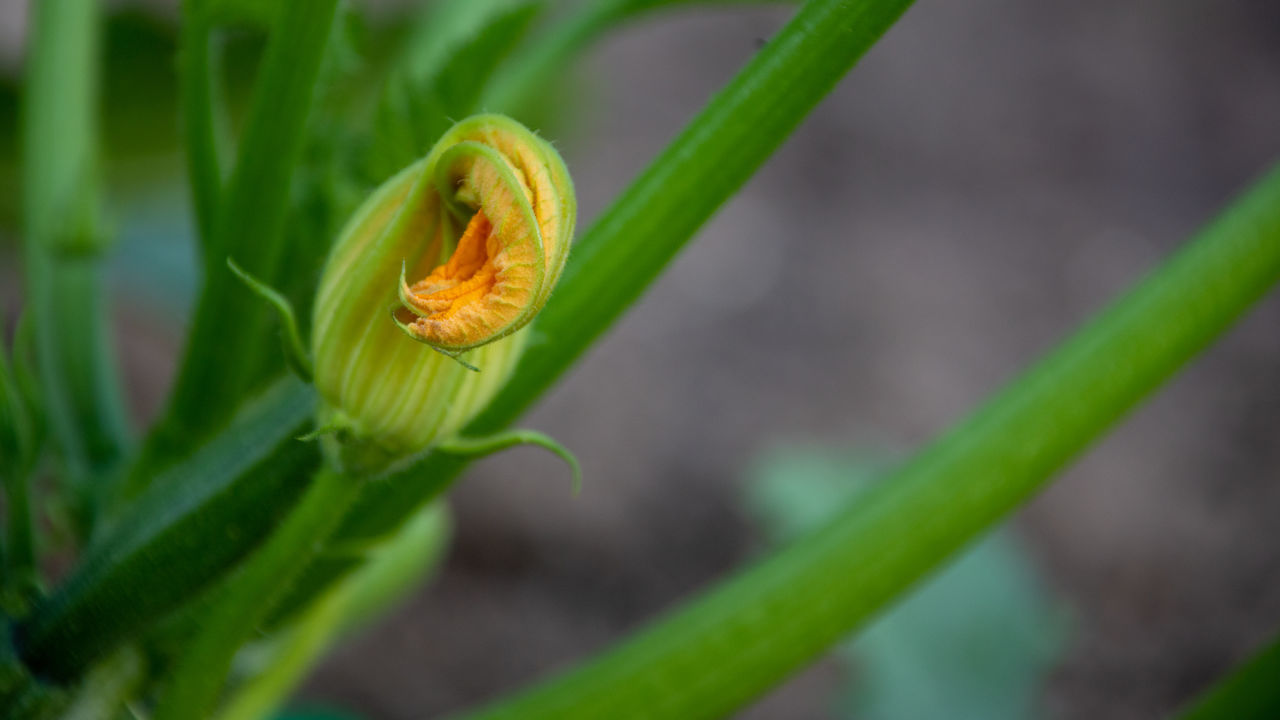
197, 521
976, 640
790, 491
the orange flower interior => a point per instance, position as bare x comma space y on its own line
466, 278
456, 287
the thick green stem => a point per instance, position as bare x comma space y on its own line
175, 541
724, 649
80, 389
248, 596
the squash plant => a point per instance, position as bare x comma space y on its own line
427, 284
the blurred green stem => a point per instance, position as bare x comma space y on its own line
250, 593
80, 390
727, 647
199, 122
389, 572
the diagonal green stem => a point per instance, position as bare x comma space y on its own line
727, 647
200, 518
80, 389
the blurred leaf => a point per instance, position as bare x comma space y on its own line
423, 98
436, 33
974, 641
793, 490
82, 398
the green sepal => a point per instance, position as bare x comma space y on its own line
482, 446
295, 353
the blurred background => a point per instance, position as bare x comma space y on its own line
991, 174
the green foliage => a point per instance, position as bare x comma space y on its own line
974, 641
226, 526
425, 98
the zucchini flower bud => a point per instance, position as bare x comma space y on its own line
458, 252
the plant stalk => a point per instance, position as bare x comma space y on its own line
76, 366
